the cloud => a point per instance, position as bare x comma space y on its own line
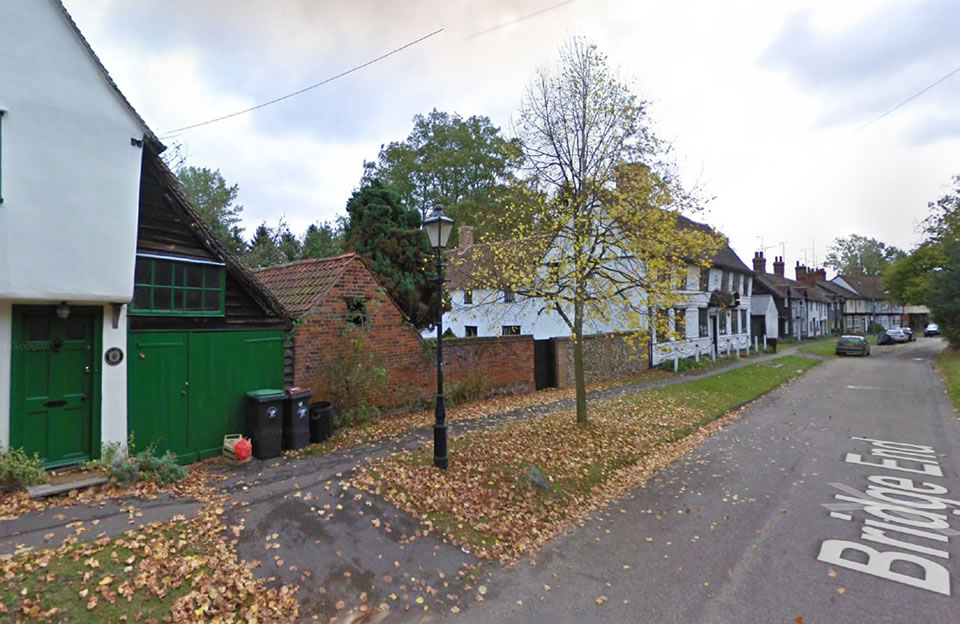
873, 64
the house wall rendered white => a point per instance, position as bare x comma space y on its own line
70, 183
764, 305
70, 176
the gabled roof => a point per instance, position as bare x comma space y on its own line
300, 285
173, 194
837, 289
463, 262
148, 133
782, 287
866, 287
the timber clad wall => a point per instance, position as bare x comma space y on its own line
495, 364
605, 356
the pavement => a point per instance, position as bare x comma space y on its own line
706, 561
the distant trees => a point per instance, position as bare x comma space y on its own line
466, 165
387, 234
930, 275
209, 193
861, 255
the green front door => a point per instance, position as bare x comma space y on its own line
52, 383
158, 390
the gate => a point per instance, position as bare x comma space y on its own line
545, 363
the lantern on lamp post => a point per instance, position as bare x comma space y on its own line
438, 227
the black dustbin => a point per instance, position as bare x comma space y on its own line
321, 421
296, 419
264, 419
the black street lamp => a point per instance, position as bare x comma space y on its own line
438, 227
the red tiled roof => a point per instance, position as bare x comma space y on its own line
300, 285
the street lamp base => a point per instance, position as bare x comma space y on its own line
440, 446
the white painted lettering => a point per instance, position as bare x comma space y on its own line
874, 508
938, 537
932, 470
935, 578
907, 484
925, 501
914, 457
904, 446
879, 536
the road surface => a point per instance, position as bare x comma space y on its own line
801, 511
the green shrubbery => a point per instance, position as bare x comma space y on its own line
353, 378
19, 470
124, 468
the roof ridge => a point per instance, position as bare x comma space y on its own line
304, 261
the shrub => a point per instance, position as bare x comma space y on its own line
126, 469
460, 392
163, 468
19, 470
875, 328
684, 364
352, 379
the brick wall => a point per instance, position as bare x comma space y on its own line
605, 356
485, 364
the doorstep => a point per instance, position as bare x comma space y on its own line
62, 486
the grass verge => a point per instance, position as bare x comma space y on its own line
183, 570
948, 361
492, 501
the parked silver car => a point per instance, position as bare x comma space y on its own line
892, 336
932, 330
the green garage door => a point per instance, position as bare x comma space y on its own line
185, 389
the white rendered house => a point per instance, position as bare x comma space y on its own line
707, 324
70, 157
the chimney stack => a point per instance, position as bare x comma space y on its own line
466, 236
778, 266
801, 272
759, 262
820, 275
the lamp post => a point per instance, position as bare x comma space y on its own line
438, 227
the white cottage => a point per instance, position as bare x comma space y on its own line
714, 318
90, 217
70, 154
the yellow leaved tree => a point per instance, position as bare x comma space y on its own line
599, 237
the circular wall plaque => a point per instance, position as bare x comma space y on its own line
114, 356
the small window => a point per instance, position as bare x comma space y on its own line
680, 323
722, 320
76, 328
509, 296
469, 330
662, 323
743, 321
357, 312
511, 330
704, 279
467, 297
703, 319
725, 281
736, 323
736, 282
38, 329
177, 287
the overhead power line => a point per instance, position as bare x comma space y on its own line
911, 98
313, 86
519, 19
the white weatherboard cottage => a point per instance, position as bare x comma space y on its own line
707, 324
70, 158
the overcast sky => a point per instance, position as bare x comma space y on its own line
766, 103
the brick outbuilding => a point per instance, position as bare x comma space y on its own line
325, 295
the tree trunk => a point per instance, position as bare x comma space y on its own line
578, 366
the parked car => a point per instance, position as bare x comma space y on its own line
932, 330
853, 345
892, 336
909, 332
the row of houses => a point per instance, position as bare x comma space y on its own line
122, 314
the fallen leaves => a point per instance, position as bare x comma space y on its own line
493, 503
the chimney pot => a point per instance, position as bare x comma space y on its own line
778, 266
759, 262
